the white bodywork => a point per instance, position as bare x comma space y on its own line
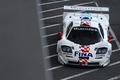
74, 58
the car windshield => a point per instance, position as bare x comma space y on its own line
84, 35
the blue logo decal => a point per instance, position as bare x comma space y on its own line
85, 15
83, 54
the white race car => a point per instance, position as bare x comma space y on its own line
85, 37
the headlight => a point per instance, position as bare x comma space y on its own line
66, 49
101, 50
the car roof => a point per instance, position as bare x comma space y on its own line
77, 18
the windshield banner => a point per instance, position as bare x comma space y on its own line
86, 29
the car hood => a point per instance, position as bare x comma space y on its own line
76, 48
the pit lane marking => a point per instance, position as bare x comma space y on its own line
51, 56
114, 78
50, 26
51, 17
111, 40
53, 2
63, 7
115, 50
53, 68
90, 71
50, 45
50, 35
51, 10
96, 4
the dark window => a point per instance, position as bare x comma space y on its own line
84, 35
69, 28
108, 32
101, 30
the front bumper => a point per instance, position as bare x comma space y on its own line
95, 62
87, 64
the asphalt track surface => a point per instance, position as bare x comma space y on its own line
25, 26
52, 17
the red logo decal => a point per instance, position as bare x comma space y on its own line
84, 48
85, 22
77, 23
83, 61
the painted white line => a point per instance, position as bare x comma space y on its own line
111, 40
86, 72
62, 15
54, 16
51, 17
96, 4
115, 50
116, 40
90, 71
50, 35
51, 56
50, 69
50, 26
62, 7
50, 45
115, 63
53, 2
114, 78
84, 3
51, 10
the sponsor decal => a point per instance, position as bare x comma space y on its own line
86, 29
85, 23
83, 61
83, 54
77, 23
83, 51
84, 48
85, 15
100, 55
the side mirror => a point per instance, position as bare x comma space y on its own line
110, 37
60, 34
